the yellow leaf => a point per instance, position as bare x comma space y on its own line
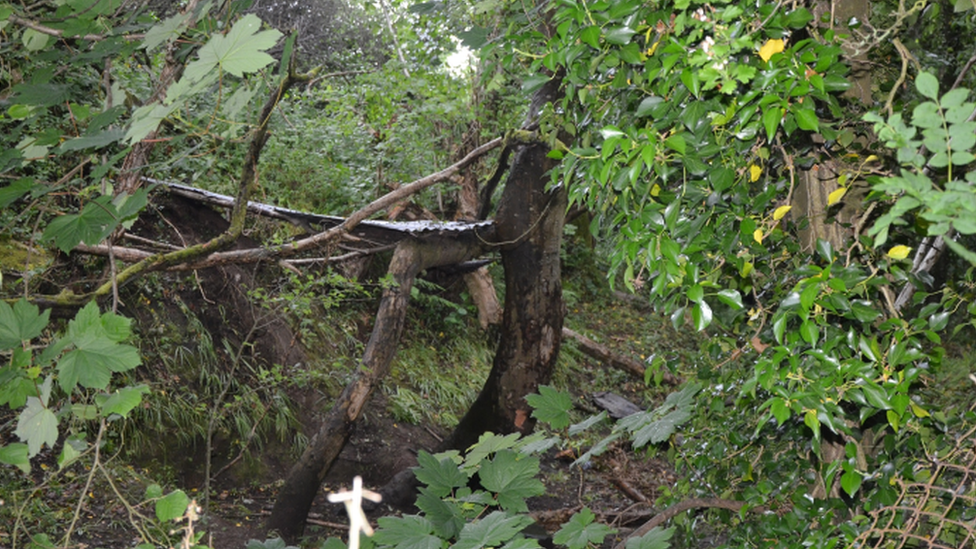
781, 212
770, 48
757, 235
919, 411
899, 252
835, 196
655, 190
754, 173
746, 269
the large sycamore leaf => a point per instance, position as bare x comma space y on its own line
240, 51
92, 363
407, 532
16, 454
512, 477
582, 530
37, 426
122, 401
20, 323
491, 531
440, 476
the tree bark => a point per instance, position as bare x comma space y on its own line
305, 477
529, 227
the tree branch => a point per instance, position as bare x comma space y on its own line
58, 33
680, 507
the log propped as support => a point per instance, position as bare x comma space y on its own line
305, 478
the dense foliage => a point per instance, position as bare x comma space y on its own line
687, 130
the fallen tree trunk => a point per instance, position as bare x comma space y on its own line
621, 362
305, 477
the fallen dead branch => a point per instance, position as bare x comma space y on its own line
621, 362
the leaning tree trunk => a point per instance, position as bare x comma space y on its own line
529, 228
305, 477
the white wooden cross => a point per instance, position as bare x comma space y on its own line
354, 508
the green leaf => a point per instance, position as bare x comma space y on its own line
591, 36
512, 477
441, 476
581, 530
771, 119
850, 481
732, 298
407, 532
578, 428
780, 409
445, 516
927, 85
93, 141
12, 192
806, 118
20, 323
240, 51
533, 83
551, 406
172, 506
619, 36
695, 293
798, 18
166, 30
123, 400
491, 531
95, 222
701, 315
37, 426
154, 491
647, 105
16, 454
91, 364
657, 538
34, 40
488, 444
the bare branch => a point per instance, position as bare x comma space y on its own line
58, 33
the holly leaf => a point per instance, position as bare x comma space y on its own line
37, 426
512, 477
407, 532
551, 406
580, 531
491, 531
20, 323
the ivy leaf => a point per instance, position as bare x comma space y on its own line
491, 531
37, 426
551, 406
580, 531
407, 532
440, 476
20, 323
172, 506
512, 477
